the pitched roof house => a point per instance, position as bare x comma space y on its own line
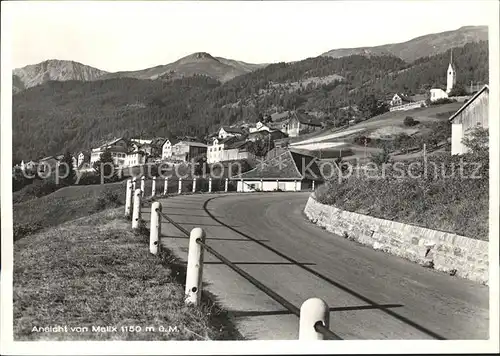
266, 135
166, 148
400, 99
226, 131
227, 149
300, 122
474, 113
288, 171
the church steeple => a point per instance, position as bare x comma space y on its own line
451, 78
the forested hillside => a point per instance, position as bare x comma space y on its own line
73, 115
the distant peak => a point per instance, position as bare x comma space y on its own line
201, 55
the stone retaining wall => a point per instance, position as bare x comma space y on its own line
451, 253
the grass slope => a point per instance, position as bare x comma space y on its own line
94, 271
439, 198
64, 205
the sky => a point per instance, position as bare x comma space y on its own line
115, 36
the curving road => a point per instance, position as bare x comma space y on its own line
371, 295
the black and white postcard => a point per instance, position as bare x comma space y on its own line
249, 177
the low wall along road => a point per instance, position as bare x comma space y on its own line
451, 253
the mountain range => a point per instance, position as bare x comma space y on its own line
423, 46
200, 63
223, 70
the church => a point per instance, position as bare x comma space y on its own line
451, 80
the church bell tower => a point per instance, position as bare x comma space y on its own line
451, 75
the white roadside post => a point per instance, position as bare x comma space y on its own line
194, 185
226, 185
136, 215
128, 198
143, 184
165, 187
154, 236
210, 185
134, 184
261, 185
313, 186
194, 267
277, 185
153, 187
313, 311
180, 186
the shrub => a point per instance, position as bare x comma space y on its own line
22, 230
477, 140
108, 199
443, 101
89, 178
457, 90
360, 140
381, 158
410, 121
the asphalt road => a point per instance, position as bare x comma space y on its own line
371, 295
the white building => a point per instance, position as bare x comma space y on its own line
136, 158
229, 149
141, 142
259, 127
300, 123
437, 94
399, 99
214, 151
82, 157
225, 132
166, 148
474, 113
117, 148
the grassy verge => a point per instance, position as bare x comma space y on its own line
458, 204
64, 205
94, 271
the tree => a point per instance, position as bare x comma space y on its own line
105, 166
370, 106
458, 90
260, 147
69, 170
410, 121
477, 140
200, 166
267, 119
381, 158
